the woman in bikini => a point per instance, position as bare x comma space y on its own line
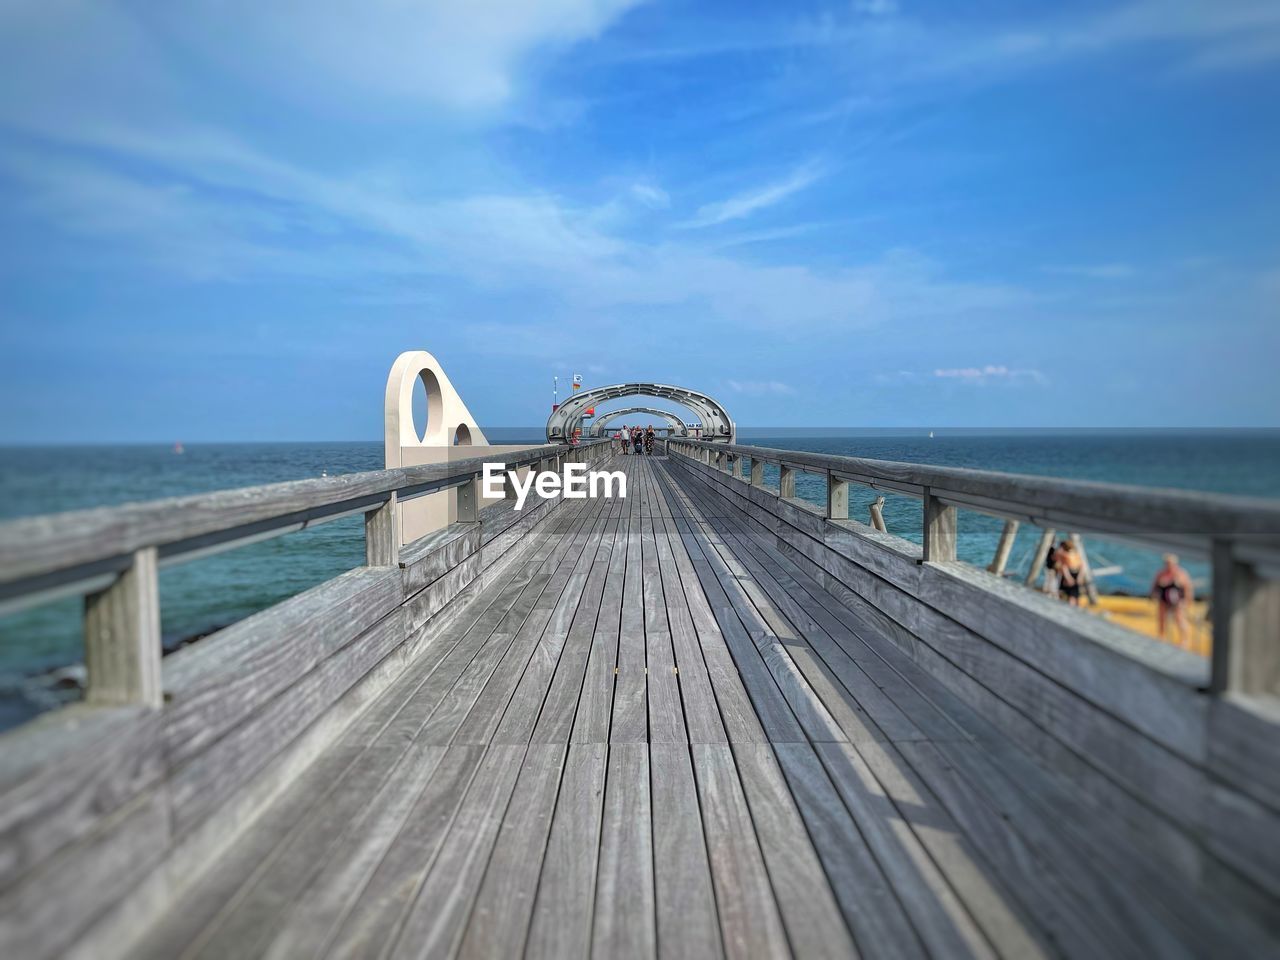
1172, 592
1070, 572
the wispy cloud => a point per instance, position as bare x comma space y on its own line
1093, 271
985, 375
752, 201
990, 373
651, 195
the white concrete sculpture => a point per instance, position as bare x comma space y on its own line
449, 426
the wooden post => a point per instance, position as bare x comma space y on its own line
757, 472
382, 534
508, 485
469, 501
1004, 547
1246, 627
1038, 558
737, 465
786, 481
939, 529
122, 637
837, 498
876, 509
1090, 586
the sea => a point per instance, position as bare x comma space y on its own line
41, 648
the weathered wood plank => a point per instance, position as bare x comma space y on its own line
437, 920
373, 923
503, 905
813, 921
562, 914
688, 925
750, 924
625, 912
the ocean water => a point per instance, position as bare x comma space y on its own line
205, 594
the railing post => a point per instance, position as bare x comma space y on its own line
509, 486
1039, 557
1007, 535
1246, 627
876, 509
939, 529
737, 464
122, 637
786, 481
382, 534
757, 472
469, 501
837, 498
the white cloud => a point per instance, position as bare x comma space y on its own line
459, 54
745, 204
651, 195
761, 388
990, 373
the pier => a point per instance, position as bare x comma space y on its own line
707, 719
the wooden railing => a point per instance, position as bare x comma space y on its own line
111, 555
1239, 535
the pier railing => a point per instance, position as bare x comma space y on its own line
111, 555
1240, 536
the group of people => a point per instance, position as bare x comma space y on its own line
1172, 589
636, 439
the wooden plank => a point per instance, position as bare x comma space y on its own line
375, 919
44, 913
437, 920
522, 712
216, 684
595, 704
65, 772
941, 920
688, 926
484, 716
750, 923
562, 916
499, 920
630, 707
813, 921
625, 912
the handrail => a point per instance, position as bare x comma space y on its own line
1240, 535
59, 546
1168, 516
112, 555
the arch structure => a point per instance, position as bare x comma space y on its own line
675, 426
567, 418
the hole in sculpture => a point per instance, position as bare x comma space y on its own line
462, 436
427, 406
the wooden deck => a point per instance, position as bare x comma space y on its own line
659, 737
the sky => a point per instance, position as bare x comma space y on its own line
223, 219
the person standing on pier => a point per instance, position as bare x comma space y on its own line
648, 440
637, 440
1173, 592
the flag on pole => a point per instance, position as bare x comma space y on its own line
577, 381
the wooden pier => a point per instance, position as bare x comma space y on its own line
705, 720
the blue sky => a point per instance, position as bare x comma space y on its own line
223, 220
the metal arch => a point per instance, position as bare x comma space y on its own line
675, 424
567, 418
